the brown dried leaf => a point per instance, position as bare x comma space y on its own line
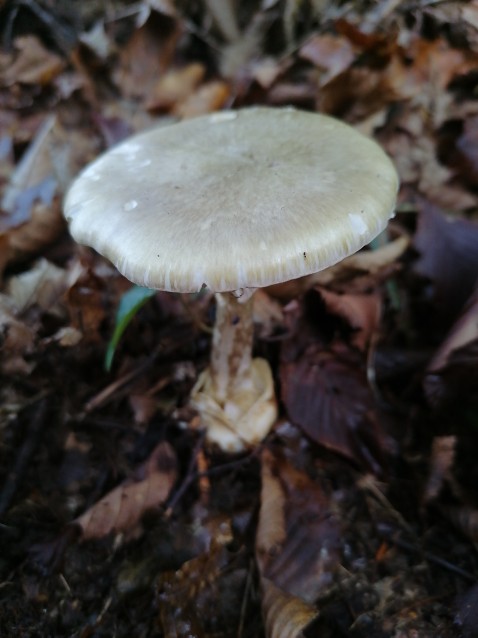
122, 508
210, 97
298, 536
333, 54
285, 616
361, 312
175, 86
31, 63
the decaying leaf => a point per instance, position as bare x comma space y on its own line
298, 535
122, 508
325, 390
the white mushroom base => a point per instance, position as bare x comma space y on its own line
246, 416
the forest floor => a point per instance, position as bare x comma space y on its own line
358, 515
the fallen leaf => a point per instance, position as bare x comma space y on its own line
448, 259
175, 86
298, 536
328, 397
324, 385
463, 332
333, 54
43, 285
147, 54
31, 204
31, 63
210, 97
285, 616
361, 312
122, 509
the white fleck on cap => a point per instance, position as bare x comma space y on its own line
236, 199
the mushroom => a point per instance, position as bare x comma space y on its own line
234, 201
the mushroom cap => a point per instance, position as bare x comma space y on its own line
236, 199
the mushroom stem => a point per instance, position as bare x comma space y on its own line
231, 355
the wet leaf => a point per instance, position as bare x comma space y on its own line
129, 305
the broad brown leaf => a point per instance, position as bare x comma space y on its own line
122, 508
